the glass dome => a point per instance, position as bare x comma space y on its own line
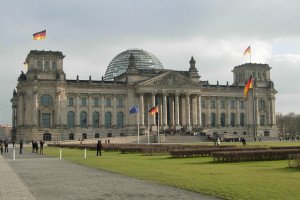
119, 65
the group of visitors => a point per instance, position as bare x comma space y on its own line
36, 147
5, 145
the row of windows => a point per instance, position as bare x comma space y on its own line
96, 120
223, 105
96, 102
46, 65
223, 119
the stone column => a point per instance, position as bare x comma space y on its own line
188, 112
165, 110
20, 110
90, 111
35, 108
208, 113
227, 121
194, 111
57, 109
114, 111
199, 111
177, 110
141, 110
218, 115
77, 113
102, 102
171, 111
238, 112
257, 111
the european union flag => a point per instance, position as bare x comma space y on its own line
134, 109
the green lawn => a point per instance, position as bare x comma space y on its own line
245, 180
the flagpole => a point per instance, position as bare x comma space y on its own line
45, 42
158, 113
148, 126
254, 118
138, 121
250, 56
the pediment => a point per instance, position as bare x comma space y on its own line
169, 80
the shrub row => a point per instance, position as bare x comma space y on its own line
254, 155
290, 147
206, 152
294, 160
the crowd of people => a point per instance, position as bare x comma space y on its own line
35, 146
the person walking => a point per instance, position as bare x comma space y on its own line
99, 147
14, 143
36, 145
1, 147
5, 146
41, 147
21, 146
32, 145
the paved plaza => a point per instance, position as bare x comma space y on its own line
33, 176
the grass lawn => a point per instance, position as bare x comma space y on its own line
244, 180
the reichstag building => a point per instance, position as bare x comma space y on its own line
46, 105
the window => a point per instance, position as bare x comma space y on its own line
97, 135
232, 119
261, 104
39, 65
83, 102
223, 119
46, 65
262, 120
213, 120
120, 119
242, 104
54, 65
107, 120
96, 120
70, 119
84, 136
232, 104
203, 119
222, 104
46, 120
83, 119
242, 119
96, 102
120, 102
71, 101
46, 100
212, 103
71, 136
267, 133
108, 102
202, 103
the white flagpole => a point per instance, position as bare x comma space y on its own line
158, 113
148, 126
46, 41
138, 121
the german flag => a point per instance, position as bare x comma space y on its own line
248, 50
153, 110
248, 85
39, 35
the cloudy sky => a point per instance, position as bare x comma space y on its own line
92, 32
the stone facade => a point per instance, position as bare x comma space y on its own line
45, 105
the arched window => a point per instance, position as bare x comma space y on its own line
53, 65
223, 119
242, 119
107, 120
39, 65
46, 100
46, 65
213, 119
96, 120
232, 119
70, 119
120, 120
203, 119
83, 119
84, 136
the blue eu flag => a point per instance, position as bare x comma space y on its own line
134, 109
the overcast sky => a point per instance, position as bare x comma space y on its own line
216, 32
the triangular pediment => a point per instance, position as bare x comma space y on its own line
169, 80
